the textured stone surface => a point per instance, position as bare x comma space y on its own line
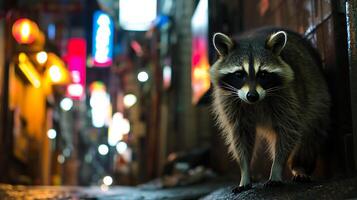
341, 189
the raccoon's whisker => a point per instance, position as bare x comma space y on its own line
229, 90
229, 93
234, 97
273, 89
230, 87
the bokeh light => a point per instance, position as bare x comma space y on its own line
121, 147
41, 57
108, 180
103, 149
66, 104
51, 133
143, 76
129, 100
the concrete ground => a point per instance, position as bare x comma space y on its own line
338, 189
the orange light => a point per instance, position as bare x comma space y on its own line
41, 57
57, 72
29, 70
97, 86
25, 31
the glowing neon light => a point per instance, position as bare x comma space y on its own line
103, 35
25, 31
75, 90
137, 18
51, 31
29, 70
200, 65
100, 104
41, 57
55, 73
76, 60
118, 127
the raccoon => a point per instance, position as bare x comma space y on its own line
269, 84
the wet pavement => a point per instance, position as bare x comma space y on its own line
339, 189
115, 192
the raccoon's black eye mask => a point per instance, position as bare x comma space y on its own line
268, 80
235, 80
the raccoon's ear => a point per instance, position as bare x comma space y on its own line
222, 43
277, 41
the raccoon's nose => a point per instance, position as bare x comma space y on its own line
253, 96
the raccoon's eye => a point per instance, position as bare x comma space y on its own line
263, 74
239, 74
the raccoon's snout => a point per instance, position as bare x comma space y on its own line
252, 96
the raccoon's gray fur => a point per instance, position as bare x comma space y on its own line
269, 84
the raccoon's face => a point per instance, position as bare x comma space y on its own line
248, 70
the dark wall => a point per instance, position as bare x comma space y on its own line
323, 23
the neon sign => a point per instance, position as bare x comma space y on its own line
200, 65
103, 35
76, 60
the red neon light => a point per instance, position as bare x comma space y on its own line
200, 68
104, 64
76, 60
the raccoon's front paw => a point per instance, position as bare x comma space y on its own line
240, 189
301, 178
271, 183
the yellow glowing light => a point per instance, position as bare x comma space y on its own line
200, 80
97, 86
29, 70
23, 57
41, 57
200, 73
25, 31
55, 73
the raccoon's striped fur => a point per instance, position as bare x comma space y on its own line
269, 84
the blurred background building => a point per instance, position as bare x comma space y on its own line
113, 91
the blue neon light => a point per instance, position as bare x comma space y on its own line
103, 35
